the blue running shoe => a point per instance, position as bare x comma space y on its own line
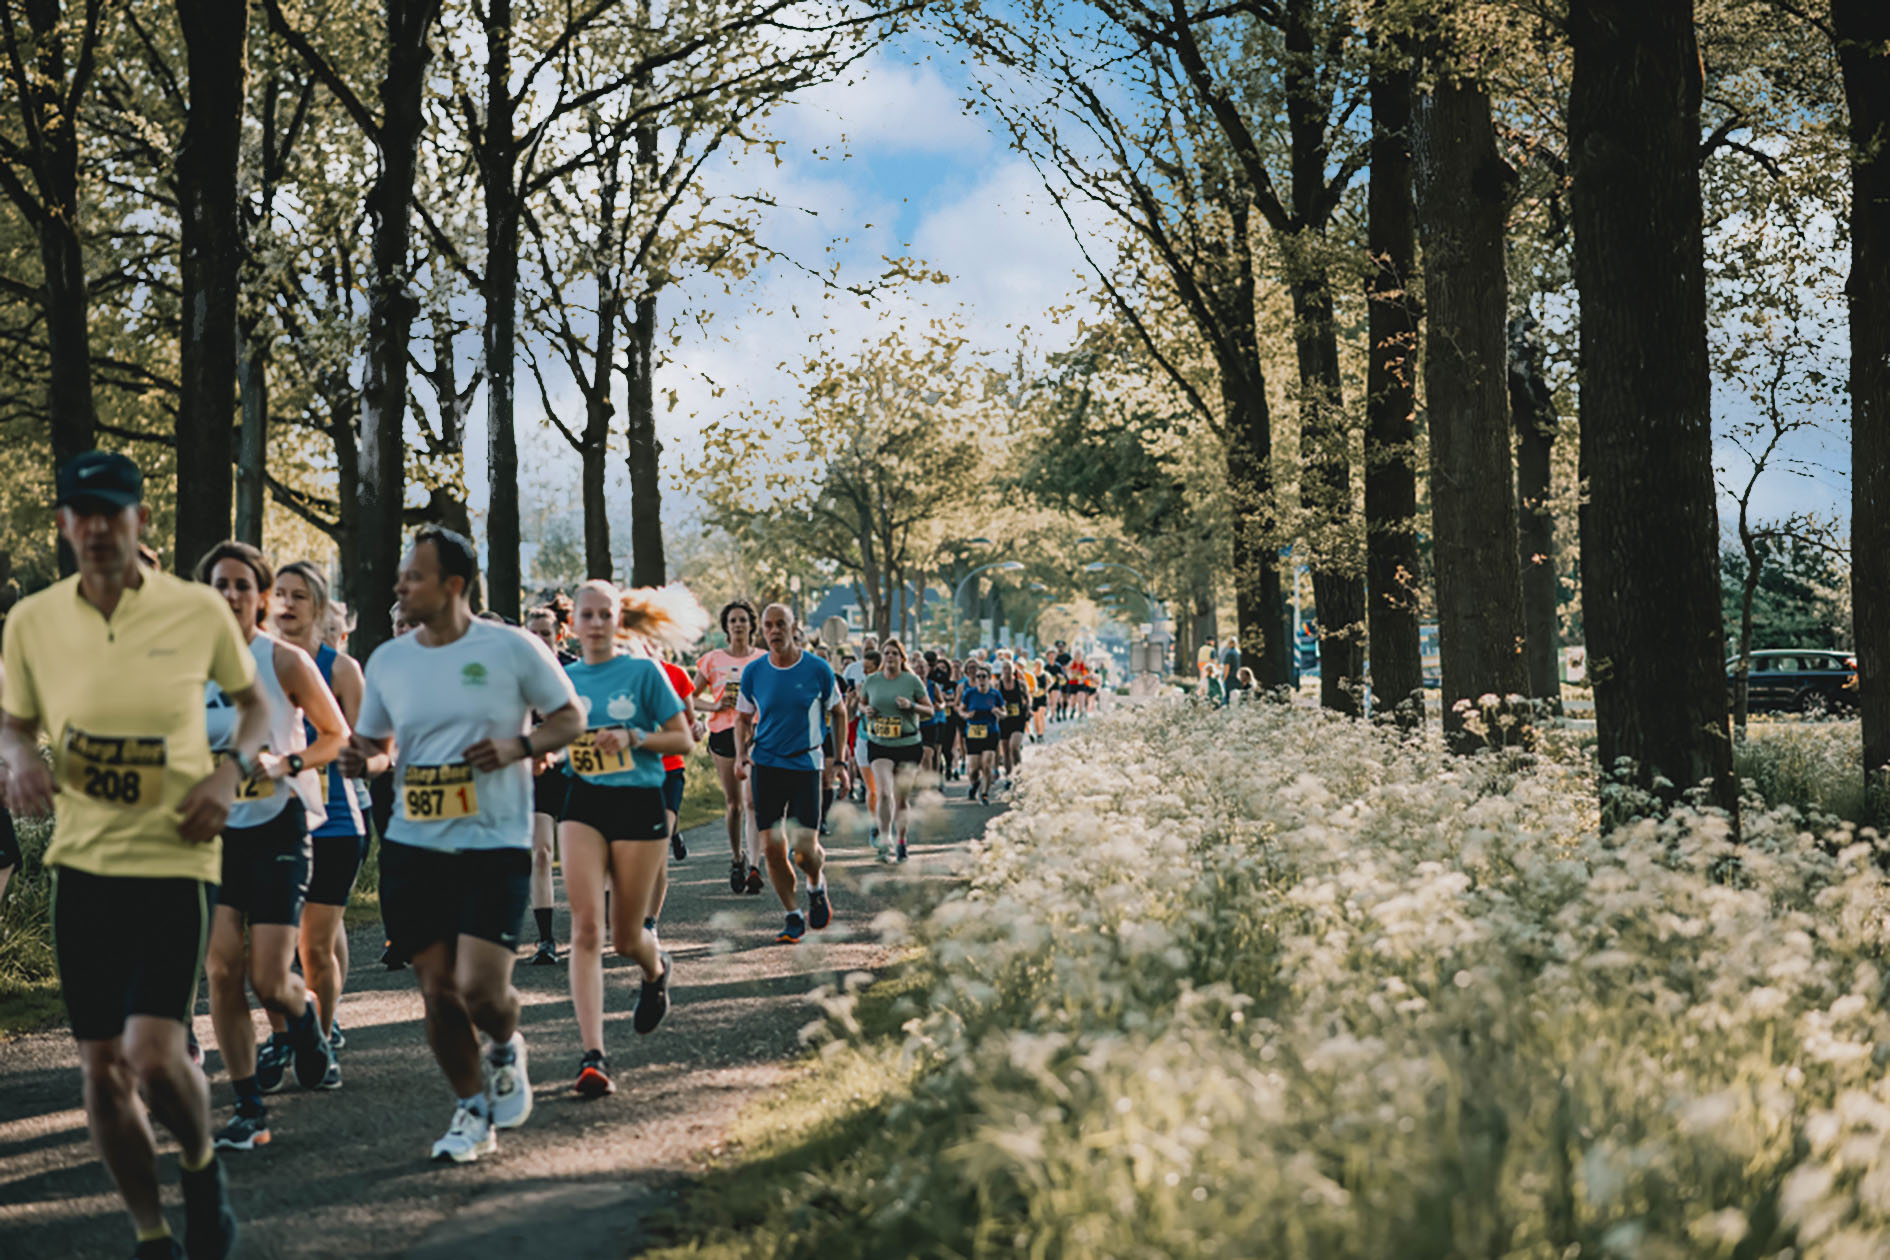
272, 1064
796, 928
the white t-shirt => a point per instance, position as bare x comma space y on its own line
439, 701
854, 673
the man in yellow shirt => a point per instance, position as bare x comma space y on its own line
111, 665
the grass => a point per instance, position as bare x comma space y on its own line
829, 1119
29, 983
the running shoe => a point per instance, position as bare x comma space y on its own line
209, 1220
986, 799
653, 998
246, 1131
337, 1039
164, 1248
546, 955
737, 876
819, 909
510, 1088
272, 1064
753, 887
331, 1079
313, 1055
593, 1078
391, 959
677, 849
469, 1137
902, 850
796, 928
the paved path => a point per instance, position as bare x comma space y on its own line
347, 1173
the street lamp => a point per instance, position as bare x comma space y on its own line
1002, 566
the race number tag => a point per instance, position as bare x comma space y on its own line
1014, 710
125, 771
592, 762
438, 793
883, 728
250, 789
977, 730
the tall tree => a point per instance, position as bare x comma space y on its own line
51, 56
1862, 31
1391, 511
217, 34
1650, 529
391, 306
1532, 409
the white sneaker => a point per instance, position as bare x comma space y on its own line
510, 1088
470, 1137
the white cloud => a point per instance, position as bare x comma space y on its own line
887, 106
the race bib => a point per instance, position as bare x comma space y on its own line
883, 728
977, 730
125, 771
592, 762
250, 789
438, 793
1014, 710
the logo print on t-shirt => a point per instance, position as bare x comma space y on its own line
473, 675
621, 707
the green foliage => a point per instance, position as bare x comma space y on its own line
1800, 601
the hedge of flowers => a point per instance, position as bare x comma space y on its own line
1267, 982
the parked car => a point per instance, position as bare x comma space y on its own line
1798, 680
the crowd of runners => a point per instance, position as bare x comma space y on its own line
219, 764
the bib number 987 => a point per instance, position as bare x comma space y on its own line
438, 793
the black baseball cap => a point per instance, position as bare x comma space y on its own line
99, 481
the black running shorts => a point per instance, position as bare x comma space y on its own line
785, 794
548, 791
617, 813
898, 754
434, 895
266, 868
932, 735
336, 863
1013, 726
128, 946
673, 783
722, 743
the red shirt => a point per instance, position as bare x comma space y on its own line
680, 680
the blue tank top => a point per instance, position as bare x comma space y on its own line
344, 811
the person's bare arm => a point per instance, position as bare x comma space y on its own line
555, 732
302, 683
672, 739
29, 784
744, 734
206, 807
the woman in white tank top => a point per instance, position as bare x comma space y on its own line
266, 849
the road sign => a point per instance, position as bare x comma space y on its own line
833, 631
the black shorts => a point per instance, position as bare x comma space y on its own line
783, 794
898, 754
337, 861
433, 895
722, 743
1038, 701
266, 868
128, 946
9, 842
548, 791
673, 784
932, 735
617, 813
1013, 726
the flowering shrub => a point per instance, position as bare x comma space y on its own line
1267, 982
1814, 765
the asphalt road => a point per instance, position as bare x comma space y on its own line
347, 1173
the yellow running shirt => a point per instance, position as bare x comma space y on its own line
122, 703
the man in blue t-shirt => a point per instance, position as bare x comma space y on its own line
789, 719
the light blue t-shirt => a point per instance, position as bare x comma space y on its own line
623, 691
789, 707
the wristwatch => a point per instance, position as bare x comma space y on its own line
294, 762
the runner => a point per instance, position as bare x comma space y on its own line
980, 706
896, 702
1078, 685
859, 762
548, 791
614, 822
305, 617
676, 767
448, 703
112, 663
780, 748
719, 676
1040, 681
266, 849
934, 728
1015, 719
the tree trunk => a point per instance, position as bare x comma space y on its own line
1391, 512
1463, 188
1863, 33
647, 565
252, 453
216, 32
391, 310
1649, 532
1532, 407
1748, 590
598, 562
498, 171
350, 589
